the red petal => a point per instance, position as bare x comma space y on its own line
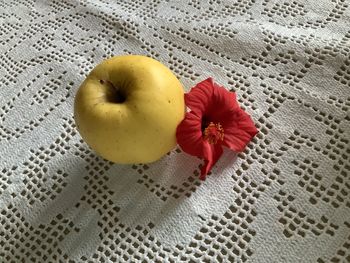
238, 134
223, 108
226, 99
199, 97
221, 103
212, 153
189, 135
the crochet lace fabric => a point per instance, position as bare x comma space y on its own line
285, 199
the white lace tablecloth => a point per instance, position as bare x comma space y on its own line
285, 199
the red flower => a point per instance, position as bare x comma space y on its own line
215, 120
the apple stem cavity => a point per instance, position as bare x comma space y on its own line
115, 95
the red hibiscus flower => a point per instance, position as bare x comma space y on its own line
214, 120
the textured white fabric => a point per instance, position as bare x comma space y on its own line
285, 199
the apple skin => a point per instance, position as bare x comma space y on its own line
140, 129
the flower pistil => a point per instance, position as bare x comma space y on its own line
213, 133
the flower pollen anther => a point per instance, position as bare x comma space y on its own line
214, 133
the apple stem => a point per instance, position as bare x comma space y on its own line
117, 95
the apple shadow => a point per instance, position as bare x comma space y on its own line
158, 195
64, 189
155, 186
165, 188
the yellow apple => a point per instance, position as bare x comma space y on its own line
128, 108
